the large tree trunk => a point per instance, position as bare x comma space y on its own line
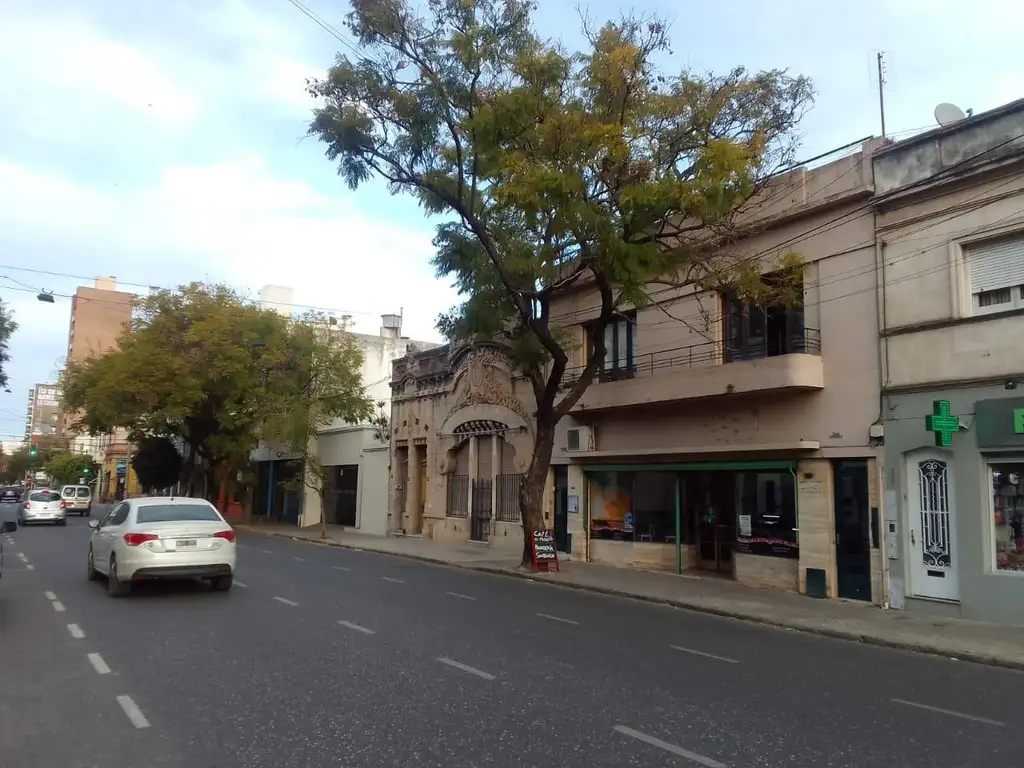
531, 490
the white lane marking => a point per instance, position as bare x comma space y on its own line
340, 568
133, 712
76, 631
558, 618
99, 664
949, 712
267, 552
58, 606
466, 668
50, 595
693, 757
357, 627
705, 655
30, 567
300, 559
23, 556
292, 603
393, 581
460, 595
241, 584
240, 545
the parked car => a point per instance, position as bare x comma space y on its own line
8, 526
161, 537
78, 499
44, 506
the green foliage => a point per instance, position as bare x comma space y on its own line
68, 468
328, 365
7, 329
157, 462
553, 168
199, 363
19, 463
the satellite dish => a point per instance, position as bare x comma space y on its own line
947, 113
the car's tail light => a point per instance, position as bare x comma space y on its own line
28, 505
137, 539
227, 535
63, 505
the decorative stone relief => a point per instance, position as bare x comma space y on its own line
485, 378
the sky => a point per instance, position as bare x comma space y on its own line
166, 142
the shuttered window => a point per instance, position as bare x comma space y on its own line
997, 274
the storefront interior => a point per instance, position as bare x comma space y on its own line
1007, 488
705, 514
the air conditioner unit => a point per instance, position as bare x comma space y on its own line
579, 439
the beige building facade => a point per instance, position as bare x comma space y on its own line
462, 436
735, 440
950, 213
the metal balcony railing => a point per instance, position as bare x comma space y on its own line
804, 342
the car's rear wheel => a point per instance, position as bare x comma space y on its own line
223, 583
115, 587
94, 575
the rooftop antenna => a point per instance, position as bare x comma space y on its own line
881, 88
947, 114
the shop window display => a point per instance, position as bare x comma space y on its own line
1008, 515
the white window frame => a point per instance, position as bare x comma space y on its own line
990, 460
1015, 284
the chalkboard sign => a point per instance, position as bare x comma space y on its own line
545, 553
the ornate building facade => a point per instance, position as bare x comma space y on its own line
462, 436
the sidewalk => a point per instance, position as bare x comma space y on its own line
968, 640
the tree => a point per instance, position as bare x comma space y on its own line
382, 424
69, 468
157, 462
554, 169
200, 364
7, 329
329, 365
21, 462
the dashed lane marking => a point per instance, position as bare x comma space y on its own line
133, 712
673, 749
241, 584
99, 664
58, 606
558, 618
76, 631
286, 601
393, 581
466, 668
692, 652
357, 627
50, 595
460, 595
950, 712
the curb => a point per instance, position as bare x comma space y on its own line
838, 634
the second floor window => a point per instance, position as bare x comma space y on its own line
753, 331
997, 274
620, 347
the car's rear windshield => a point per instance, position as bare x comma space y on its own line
45, 496
68, 491
172, 513
83, 493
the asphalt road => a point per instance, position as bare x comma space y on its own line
331, 657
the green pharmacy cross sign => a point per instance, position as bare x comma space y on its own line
942, 422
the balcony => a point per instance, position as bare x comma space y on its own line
699, 371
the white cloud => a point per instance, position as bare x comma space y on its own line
63, 67
238, 222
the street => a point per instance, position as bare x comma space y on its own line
331, 657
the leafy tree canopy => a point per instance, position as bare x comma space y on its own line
68, 468
19, 463
198, 363
157, 462
7, 329
552, 168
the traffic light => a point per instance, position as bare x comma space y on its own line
86, 470
33, 451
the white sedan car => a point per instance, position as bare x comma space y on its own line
161, 537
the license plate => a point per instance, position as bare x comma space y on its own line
185, 544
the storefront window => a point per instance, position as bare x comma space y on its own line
654, 506
1008, 515
766, 514
611, 506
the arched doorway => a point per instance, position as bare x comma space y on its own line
484, 465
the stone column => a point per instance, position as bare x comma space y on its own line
816, 521
473, 471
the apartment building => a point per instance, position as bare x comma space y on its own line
950, 213
737, 440
98, 316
